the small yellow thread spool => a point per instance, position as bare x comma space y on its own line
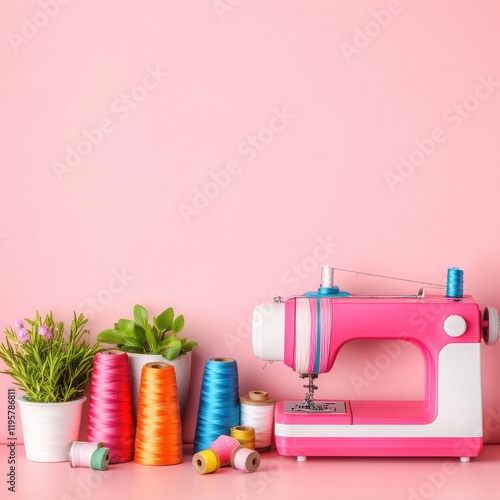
206, 462
245, 435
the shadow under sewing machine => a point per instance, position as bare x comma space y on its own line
306, 332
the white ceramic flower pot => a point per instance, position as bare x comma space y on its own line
50, 428
182, 365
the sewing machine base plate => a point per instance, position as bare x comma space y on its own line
379, 447
382, 428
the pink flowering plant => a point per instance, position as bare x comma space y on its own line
44, 365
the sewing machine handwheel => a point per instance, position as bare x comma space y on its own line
491, 331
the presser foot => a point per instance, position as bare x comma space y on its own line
308, 404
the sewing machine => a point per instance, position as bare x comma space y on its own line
306, 332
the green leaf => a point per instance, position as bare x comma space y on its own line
111, 336
140, 335
125, 325
178, 324
189, 346
140, 315
132, 341
151, 337
166, 341
164, 321
130, 348
173, 350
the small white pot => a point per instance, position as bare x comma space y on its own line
182, 365
50, 428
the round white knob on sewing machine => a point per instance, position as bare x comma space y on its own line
455, 325
492, 331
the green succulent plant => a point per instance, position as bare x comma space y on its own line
140, 336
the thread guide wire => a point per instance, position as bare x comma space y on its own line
425, 283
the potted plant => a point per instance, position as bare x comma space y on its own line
52, 372
147, 341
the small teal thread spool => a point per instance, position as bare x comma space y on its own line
455, 283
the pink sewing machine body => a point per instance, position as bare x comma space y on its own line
307, 332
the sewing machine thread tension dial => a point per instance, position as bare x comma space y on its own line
491, 326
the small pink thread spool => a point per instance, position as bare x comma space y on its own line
245, 459
224, 446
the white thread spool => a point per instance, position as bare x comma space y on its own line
81, 452
257, 411
327, 277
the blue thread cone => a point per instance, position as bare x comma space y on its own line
219, 407
454, 283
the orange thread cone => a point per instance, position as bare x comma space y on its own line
158, 439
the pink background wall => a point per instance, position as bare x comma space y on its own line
116, 118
